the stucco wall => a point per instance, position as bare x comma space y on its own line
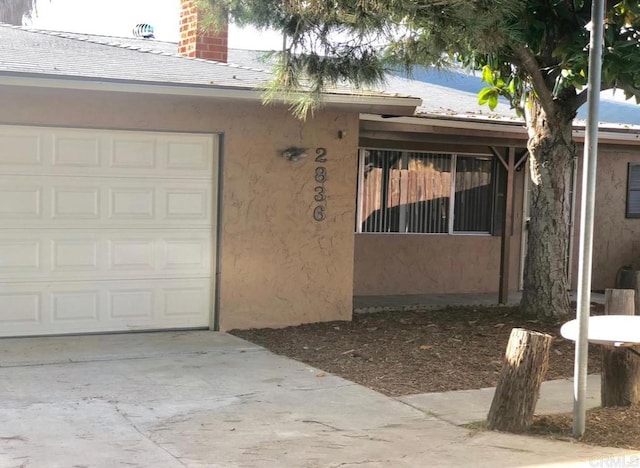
406, 264
398, 264
278, 266
616, 238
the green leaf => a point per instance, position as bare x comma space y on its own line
488, 96
487, 75
493, 101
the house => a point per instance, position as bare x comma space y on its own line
142, 189
146, 190
468, 234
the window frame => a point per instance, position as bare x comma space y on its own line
495, 183
630, 168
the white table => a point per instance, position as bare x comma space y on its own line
620, 331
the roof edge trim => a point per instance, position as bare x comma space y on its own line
407, 104
628, 135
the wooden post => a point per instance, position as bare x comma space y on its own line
636, 288
620, 379
507, 226
525, 365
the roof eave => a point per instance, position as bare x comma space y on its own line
606, 134
374, 104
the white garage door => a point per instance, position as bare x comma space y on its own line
105, 230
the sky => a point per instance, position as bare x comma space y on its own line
118, 18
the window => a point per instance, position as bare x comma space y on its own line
416, 192
633, 191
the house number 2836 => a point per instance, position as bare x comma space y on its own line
320, 177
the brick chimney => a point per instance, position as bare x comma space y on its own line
197, 42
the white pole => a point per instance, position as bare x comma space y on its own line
586, 217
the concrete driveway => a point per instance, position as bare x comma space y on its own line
204, 399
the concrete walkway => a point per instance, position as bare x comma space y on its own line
203, 399
465, 406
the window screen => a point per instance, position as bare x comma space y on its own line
633, 191
412, 192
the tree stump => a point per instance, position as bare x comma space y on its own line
525, 364
620, 379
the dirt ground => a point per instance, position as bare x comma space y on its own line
401, 353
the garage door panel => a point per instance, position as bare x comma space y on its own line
187, 204
19, 255
188, 156
108, 254
78, 307
75, 306
20, 308
105, 230
132, 254
20, 149
76, 149
75, 202
19, 202
72, 255
133, 152
96, 202
55, 151
127, 203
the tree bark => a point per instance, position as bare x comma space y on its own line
551, 155
525, 365
620, 378
619, 302
15, 11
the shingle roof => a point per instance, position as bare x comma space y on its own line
65, 54
443, 92
452, 92
136, 60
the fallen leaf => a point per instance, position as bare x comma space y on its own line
558, 352
321, 374
425, 347
498, 325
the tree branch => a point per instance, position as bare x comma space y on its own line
631, 90
581, 98
530, 65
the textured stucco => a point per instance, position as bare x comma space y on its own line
615, 236
278, 266
399, 264
439, 264
405, 264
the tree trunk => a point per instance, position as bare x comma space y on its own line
15, 11
620, 379
551, 155
525, 365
